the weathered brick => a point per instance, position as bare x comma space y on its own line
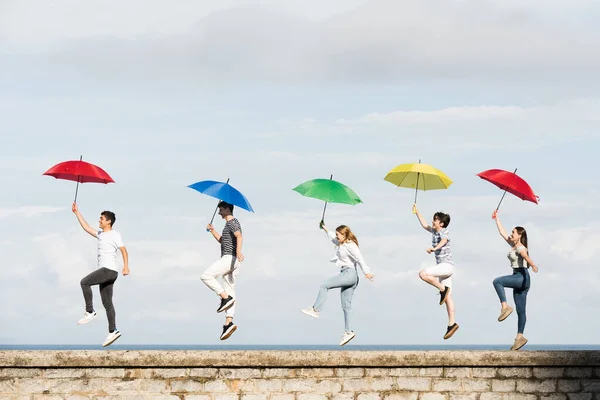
340, 396
164, 397
47, 397
242, 385
188, 385
21, 373
432, 396
485, 372
590, 385
491, 396
455, 396
579, 372
514, 372
163, 373
355, 385
10, 386
597, 372
314, 372
153, 385
311, 396
410, 383
579, 396
100, 373
458, 372
75, 397
476, 385
553, 396
291, 397
401, 396
536, 386
229, 396
239, 373
25, 386
299, 385
432, 371
269, 385
503, 385
569, 385
368, 396
216, 386
404, 372
543, 373
278, 373
383, 384
327, 386
519, 396
447, 385
254, 397
203, 372
350, 372
207, 397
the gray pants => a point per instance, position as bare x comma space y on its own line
105, 278
346, 280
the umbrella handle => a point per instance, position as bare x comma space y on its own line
77, 187
325, 206
216, 208
414, 211
504, 194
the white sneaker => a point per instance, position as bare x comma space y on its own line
111, 338
87, 317
346, 337
310, 311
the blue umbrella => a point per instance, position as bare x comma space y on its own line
222, 191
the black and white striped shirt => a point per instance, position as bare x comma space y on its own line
228, 239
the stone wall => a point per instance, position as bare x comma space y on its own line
300, 375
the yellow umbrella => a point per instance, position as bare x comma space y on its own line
418, 176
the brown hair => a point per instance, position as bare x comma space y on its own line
344, 230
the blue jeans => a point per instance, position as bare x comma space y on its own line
346, 280
519, 281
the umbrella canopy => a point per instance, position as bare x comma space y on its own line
79, 171
223, 191
328, 190
510, 182
418, 176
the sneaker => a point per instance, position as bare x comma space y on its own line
111, 338
226, 304
444, 295
450, 331
520, 342
87, 317
310, 311
228, 330
505, 313
346, 337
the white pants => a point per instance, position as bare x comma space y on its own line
442, 271
226, 267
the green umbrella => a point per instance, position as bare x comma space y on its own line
329, 191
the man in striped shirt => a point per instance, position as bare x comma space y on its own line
227, 267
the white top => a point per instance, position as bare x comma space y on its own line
516, 260
108, 243
347, 255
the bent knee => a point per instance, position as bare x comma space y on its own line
423, 274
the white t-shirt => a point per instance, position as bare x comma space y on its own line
108, 244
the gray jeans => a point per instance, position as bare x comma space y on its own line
346, 280
105, 278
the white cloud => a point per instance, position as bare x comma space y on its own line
29, 211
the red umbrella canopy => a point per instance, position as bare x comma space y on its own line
79, 171
511, 182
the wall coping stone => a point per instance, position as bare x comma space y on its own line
291, 359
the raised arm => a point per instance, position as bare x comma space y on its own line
501, 230
86, 227
330, 234
422, 220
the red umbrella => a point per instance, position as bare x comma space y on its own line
79, 171
509, 182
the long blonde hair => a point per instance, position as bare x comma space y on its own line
344, 230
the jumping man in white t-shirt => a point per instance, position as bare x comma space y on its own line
106, 274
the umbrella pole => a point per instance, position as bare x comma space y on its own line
504, 194
416, 189
216, 208
78, 177
325, 206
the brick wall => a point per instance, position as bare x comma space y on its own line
299, 375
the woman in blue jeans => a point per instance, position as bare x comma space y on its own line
347, 258
519, 281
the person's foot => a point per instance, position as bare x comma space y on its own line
228, 330
444, 295
87, 317
310, 311
519, 342
226, 304
111, 338
506, 311
346, 337
450, 331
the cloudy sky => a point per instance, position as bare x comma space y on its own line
273, 93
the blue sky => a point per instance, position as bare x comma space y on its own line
271, 94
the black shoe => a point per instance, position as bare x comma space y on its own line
444, 295
450, 331
226, 304
228, 330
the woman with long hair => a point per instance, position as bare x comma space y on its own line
519, 281
347, 258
